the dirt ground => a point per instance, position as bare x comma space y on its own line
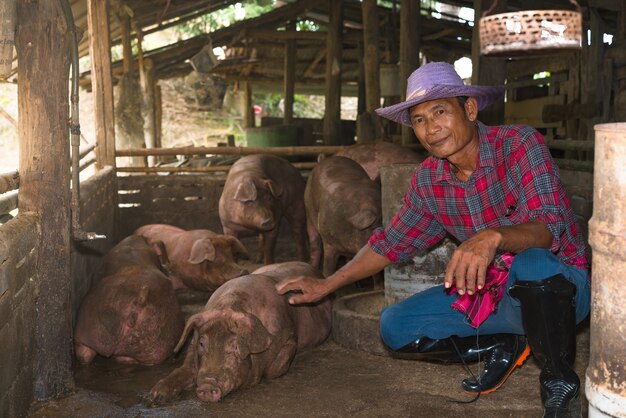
327, 381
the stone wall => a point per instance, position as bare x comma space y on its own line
18, 285
18, 290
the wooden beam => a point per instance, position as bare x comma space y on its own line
43, 44
310, 70
371, 63
248, 116
290, 75
334, 49
102, 83
409, 51
9, 181
488, 70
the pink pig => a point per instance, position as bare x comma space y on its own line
343, 207
259, 190
245, 333
200, 259
374, 156
131, 314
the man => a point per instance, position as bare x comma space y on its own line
517, 281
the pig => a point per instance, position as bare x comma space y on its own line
343, 207
246, 332
374, 156
132, 313
199, 259
259, 190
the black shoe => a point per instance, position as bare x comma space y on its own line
451, 349
549, 318
510, 352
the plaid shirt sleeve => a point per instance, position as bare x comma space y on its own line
543, 194
411, 230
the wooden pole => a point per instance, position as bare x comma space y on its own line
248, 116
371, 62
488, 70
409, 51
290, 74
334, 49
158, 116
101, 82
43, 74
127, 51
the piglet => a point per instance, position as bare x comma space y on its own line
245, 333
343, 207
200, 259
259, 190
132, 313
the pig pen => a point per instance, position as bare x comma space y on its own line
330, 380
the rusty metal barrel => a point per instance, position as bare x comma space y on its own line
427, 269
605, 385
7, 36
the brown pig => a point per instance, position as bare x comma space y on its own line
259, 190
131, 314
246, 332
200, 259
374, 156
343, 207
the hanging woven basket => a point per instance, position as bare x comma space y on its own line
530, 32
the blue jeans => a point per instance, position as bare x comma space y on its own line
429, 313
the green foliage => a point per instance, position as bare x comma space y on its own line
223, 18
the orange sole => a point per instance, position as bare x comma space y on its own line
520, 360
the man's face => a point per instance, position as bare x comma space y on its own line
444, 127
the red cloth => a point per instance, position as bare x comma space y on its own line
482, 303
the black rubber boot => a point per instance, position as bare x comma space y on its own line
549, 318
451, 349
510, 352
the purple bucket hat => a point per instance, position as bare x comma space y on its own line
437, 80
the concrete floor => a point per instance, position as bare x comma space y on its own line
327, 381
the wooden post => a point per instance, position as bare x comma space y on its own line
149, 124
43, 74
290, 75
488, 70
371, 62
409, 51
146, 79
158, 116
248, 116
101, 83
334, 49
128, 108
127, 51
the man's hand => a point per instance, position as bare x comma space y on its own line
468, 266
310, 289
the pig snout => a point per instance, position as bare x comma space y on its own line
209, 390
266, 223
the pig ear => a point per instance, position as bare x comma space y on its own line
246, 191
237, 246
363, 219
194, 322
274, 188
252, 336
202, 249
161, 252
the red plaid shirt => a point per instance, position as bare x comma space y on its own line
515, 181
